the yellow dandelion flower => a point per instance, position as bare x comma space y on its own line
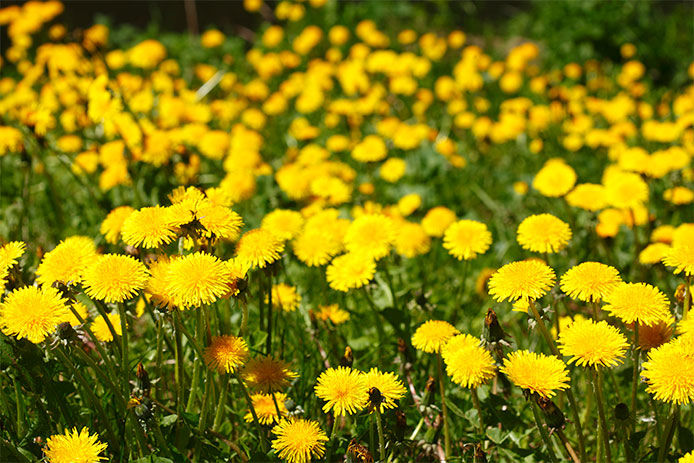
431, 336
113, 223
669, 371
219, 221
150, 227
351, 270
284, 223
588, 196
543, 233
265, 408
482, 280
315, 247
197, 279
331, 312
637, 302
298, 440
625, 190
226, 353
437, 220
412, 240
468, 363
371, 235
680, 256
67, 261
267, 374
388, 384
285, 297
653, 253
538, 373
466, 239
590, 281
590, 343
564, 322
157, 283
527, 279
688, 458
74, 447
259, 247
10, 254
32, 313
101, 330
114, 278
343, 389
555, 179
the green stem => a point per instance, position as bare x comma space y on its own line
543, 433
476, 403
600, 398
124, 350
202, 422
277, 407
333, 435
270, 309
178, 353
249, 402
104, 376
196, 365
381, 437
244, 318
572, 402
668, 434
20, 409
221, 405
635, 373
444, 409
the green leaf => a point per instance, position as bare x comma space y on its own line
168, 420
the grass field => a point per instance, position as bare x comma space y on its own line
353, 232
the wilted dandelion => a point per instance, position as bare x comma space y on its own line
267, 374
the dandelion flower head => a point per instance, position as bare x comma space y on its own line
467, 362
537, 373
590, 281
527, 279
74, 447
592, 344
343, 389
298, 440
431, 336
466, 239
32, 313
226, 353
543, 233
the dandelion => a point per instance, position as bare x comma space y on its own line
543, 233
467, 362
226, 353
10, 254
412, 240
101, 330
371, 235
590, 343
219, 221
197, 279
67, 261
114, 278
537, 373
267, 374
350, 271
150, 227
113, 223
259, 247
528, 279
298, 440
437, 220
74, 447
331, 312
555, 179
466, 239
669, 371
284, 223
265, 408
637, 302
389, 386
431, 336
657, 334
654, 253
285, 297
343, 389
32, 313
590, 281
314, 246
681, 257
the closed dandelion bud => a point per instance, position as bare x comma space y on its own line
622, 421
554, 416
348, 358
492, 329
375, 398
431, 385
65, 332
402, 347
143, 379
679, 293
